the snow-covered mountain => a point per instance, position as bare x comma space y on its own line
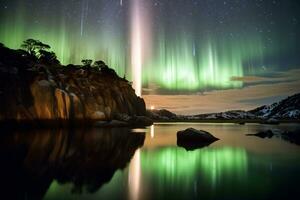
233, 114
288, 108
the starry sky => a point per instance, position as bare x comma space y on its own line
195, 56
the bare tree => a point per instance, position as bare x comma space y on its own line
33, 47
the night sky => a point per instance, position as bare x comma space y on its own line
187, 53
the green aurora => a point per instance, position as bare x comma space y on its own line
195, 54
104, 42
184, 64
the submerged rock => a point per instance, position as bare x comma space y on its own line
290, 136
191, 138
263, 134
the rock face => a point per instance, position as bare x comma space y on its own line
162, 114
35, 91
192, 139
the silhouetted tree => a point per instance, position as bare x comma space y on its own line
104, 68
87, 62
48, 57
33, 47
99, 64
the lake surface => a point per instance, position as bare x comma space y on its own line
147, 164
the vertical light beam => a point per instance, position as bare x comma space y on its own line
136, 45
85, 8
134, 176
152, 131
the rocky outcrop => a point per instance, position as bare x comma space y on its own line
192, 139
31, 91
162, 114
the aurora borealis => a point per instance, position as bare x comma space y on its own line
177, 165
180, 45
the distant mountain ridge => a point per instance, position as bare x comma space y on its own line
286, 109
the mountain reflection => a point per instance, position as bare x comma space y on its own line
31, 161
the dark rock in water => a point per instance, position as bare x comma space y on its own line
191, 138
290, 136
263, 134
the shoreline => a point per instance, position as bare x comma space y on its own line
234, 121
44, 124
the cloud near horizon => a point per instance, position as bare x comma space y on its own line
256, 92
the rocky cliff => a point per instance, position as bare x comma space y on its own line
32, 90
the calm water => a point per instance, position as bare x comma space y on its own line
147, 164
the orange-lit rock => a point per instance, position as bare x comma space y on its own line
36, 91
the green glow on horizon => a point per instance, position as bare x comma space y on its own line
104, 43
182, 61
177, 165
69, 52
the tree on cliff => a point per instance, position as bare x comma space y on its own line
48, 57
99, 64
33, 47
87, 62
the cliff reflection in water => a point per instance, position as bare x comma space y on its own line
30, 162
